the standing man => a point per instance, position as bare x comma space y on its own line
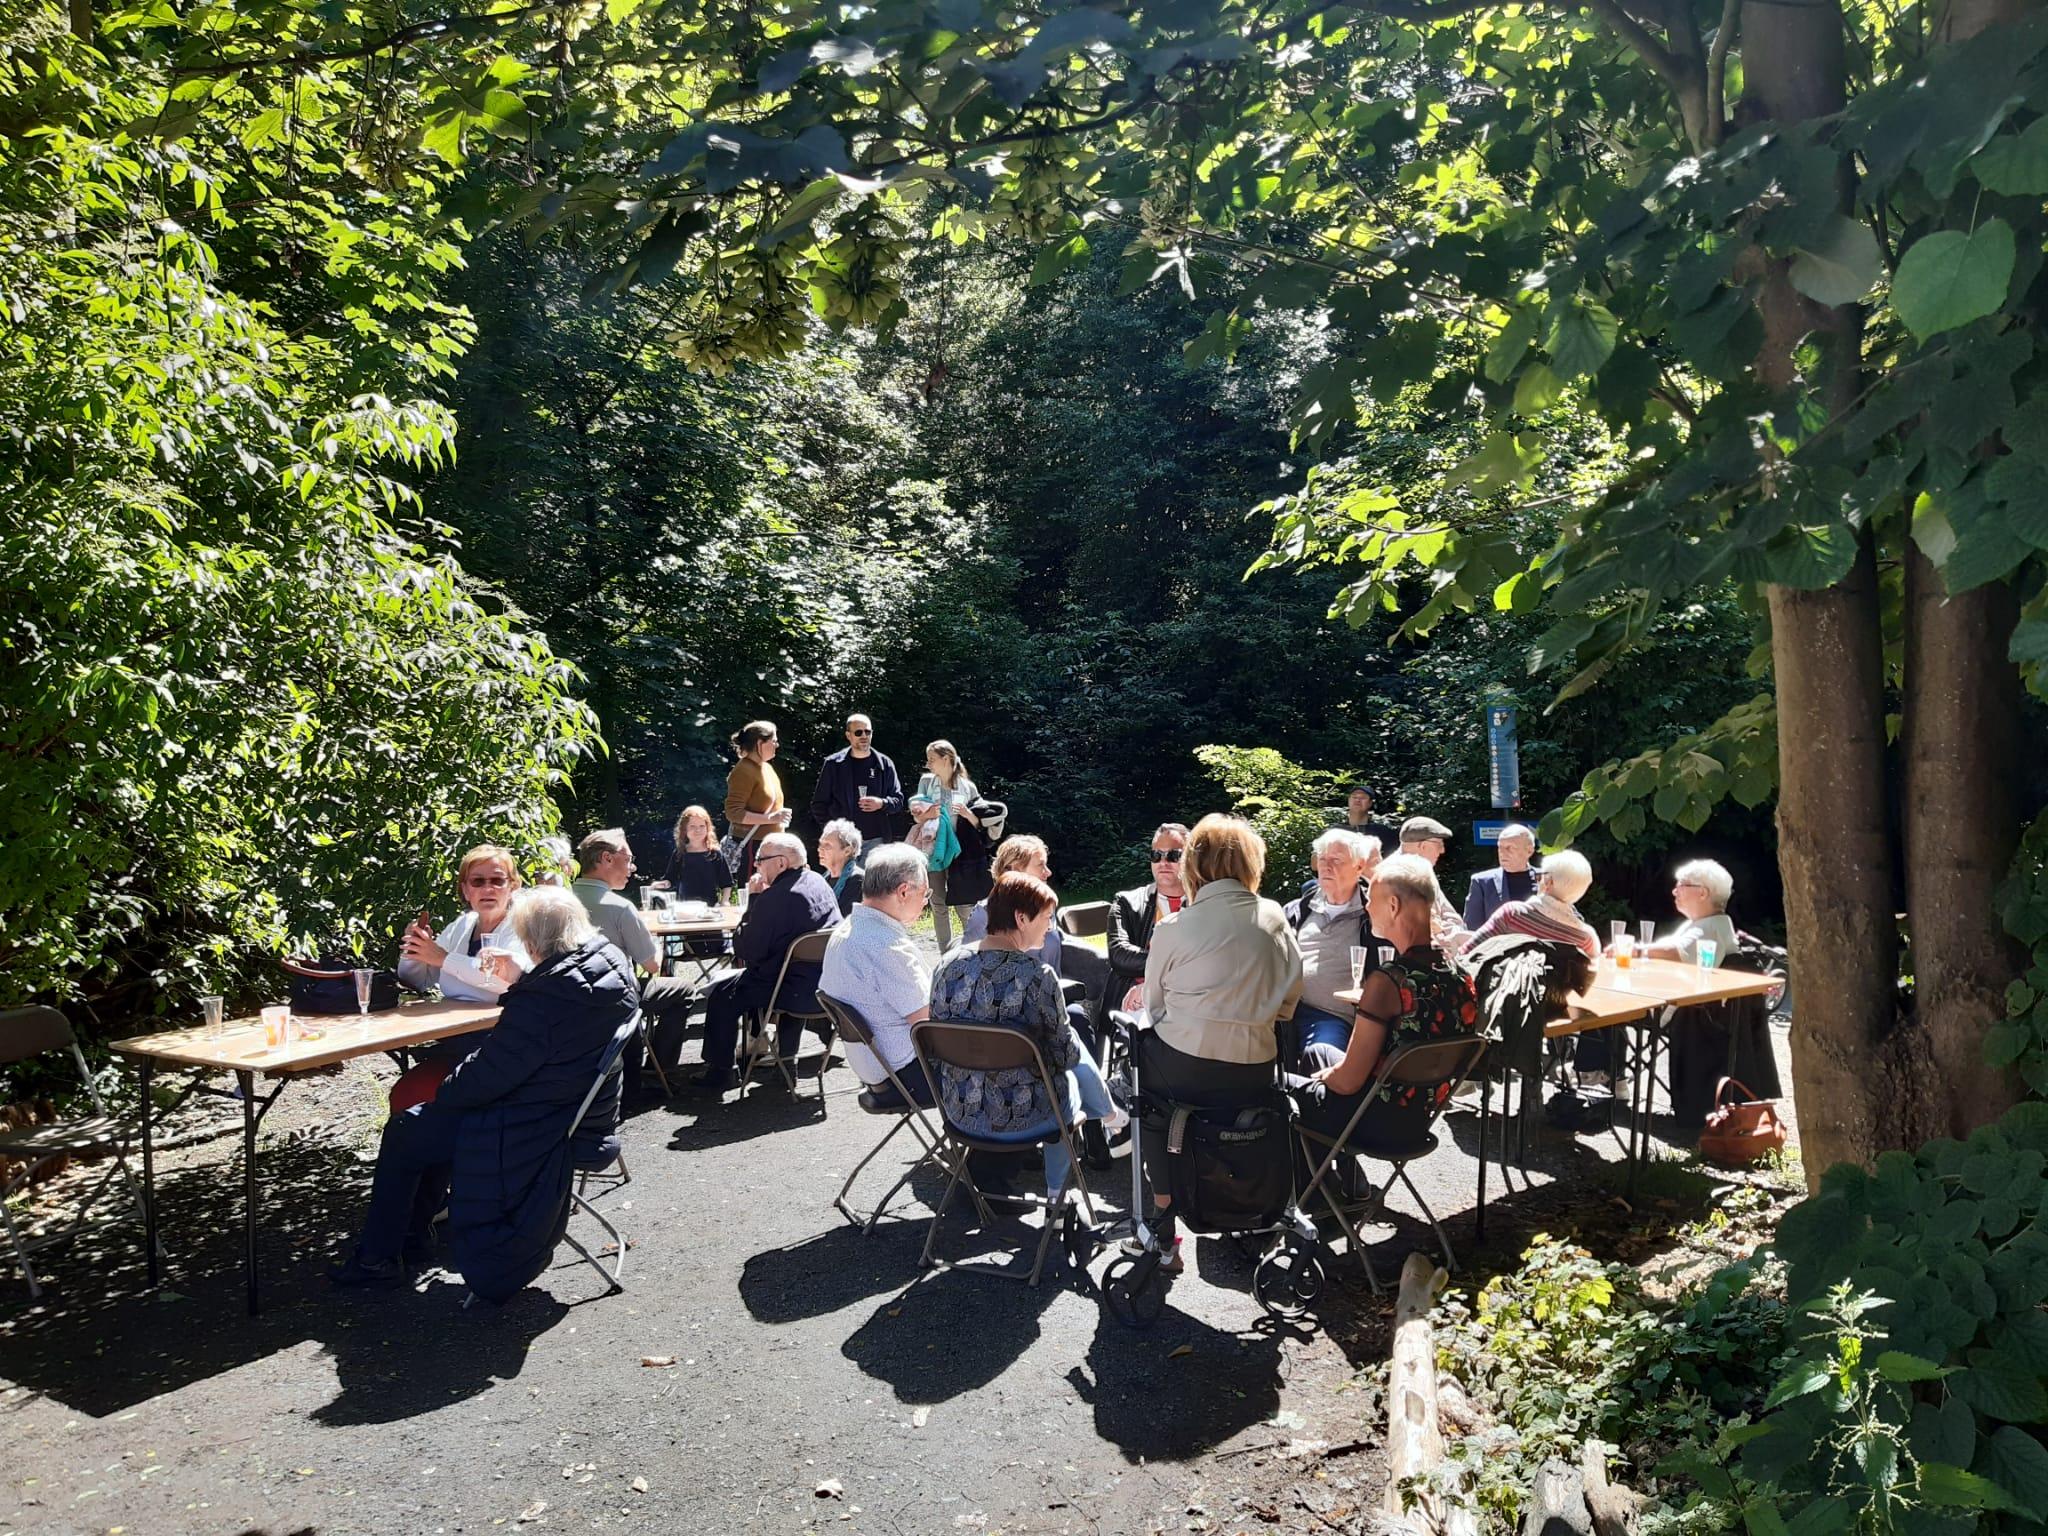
1511, 880
606, 860
1358, 817
860, 785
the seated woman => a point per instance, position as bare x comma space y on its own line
1328, 921
839, 855
1002, 981
1420, 996
1552, 913
1700, 890
1024, 855
489, 880
496, 1136
1220, 974
696, 871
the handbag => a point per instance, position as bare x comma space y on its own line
327, 985
734, 849
1741, 1131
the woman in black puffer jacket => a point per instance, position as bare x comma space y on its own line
500, 1123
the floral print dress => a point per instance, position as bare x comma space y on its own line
1436, 1000
1019, 991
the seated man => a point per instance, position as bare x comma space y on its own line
1510, 880
1135, 913
787, 899
1328, 921
1552, 912
1427, 839
606, 859
499, 1126
875, 967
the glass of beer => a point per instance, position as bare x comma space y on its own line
1624, 951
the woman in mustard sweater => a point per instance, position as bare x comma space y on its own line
753, 793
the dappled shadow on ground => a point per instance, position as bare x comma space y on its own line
100, 1341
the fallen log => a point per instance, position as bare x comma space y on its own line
1614, 1510
1415, 1439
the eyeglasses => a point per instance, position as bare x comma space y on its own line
1167, 855
860, 733
486, 879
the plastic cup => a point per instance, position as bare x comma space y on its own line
277, 1024
1646, 933
1358, 965
363, 979
1616, 932
1624, 951
1386, 956
1709, 952
210, 1015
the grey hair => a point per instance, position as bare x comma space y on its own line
1368, 846
893, 866
845, 832
1515, 831
1710, 877
1410, 877
789, 843
1567, 875
557, 849
550, 922
1352, 843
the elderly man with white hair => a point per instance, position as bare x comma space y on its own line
1552, 913
1511, 880
1328, 920
1700, 890
787, 900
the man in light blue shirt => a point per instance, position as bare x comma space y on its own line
874, 966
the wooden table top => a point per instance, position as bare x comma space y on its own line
1621, 995
673, 924
343, 1037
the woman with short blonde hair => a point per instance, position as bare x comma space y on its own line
1224, 848
454, 959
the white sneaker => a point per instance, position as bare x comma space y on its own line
1117, 1121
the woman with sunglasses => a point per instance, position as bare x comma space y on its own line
1136, 912
455, 959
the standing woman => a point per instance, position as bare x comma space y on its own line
753, 794
943, 794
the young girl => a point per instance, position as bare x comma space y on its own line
696, 870
946, 790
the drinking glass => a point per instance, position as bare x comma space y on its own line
1358, 965
210, 1014
1616, 932
1624, 950
1386, 956
1646, 932
646, 898
363, 978
1709, 952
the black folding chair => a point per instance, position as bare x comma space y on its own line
1434, 1069
971, 1047
27, 1032
809, 949
1085, 919
897, 1103
597, 1161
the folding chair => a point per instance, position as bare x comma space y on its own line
27, 1032
852, 1028
1085, 919
597, 1161
1433, 1068
809, 949
995, 1048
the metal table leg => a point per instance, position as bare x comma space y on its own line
1485, 1117
147, 1072
250, 1118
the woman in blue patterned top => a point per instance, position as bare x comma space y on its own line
1002, 981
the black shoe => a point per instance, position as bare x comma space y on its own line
420, 1248
712, 1083
1095, 1147
356, 1272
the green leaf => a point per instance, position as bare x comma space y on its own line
1537, 391
1896, 1365
2015, 1461
1842, 267
1579, 337
2006, 1042
1953, 1488
1505, 353
2016, 164
1950, 278
2003, 1390
1823, 1517
1804, 1377
1059, 258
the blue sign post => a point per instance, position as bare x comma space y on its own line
1504, 757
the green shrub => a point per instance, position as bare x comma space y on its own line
1288, 804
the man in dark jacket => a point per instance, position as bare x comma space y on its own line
1358, 817
786, 900
499, 1123
1512, 880
1134, 913
860, 785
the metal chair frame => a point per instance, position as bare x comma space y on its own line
1435, 1066
26, 1033
770, 1017
613, 1066
994, 1048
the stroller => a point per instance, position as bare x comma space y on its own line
1230, 1172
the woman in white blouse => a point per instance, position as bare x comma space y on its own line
454, 959
1700, 892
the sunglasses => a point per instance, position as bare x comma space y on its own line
860, 733
1167, 855
487, 880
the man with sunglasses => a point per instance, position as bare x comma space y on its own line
860, 785
1135, 913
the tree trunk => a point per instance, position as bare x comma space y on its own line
1961, 804
1834, 841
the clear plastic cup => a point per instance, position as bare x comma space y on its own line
363, 979
1616, 932
1358, 965
1709, 954
1624, 951
210, 1016
277, 1024
1386, 956
1646, 933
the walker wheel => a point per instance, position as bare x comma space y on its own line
1134, 1290
1288, 1280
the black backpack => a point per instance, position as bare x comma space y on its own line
1229, 1171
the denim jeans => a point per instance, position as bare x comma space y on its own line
1087, 1098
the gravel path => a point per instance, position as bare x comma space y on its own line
818, 1383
